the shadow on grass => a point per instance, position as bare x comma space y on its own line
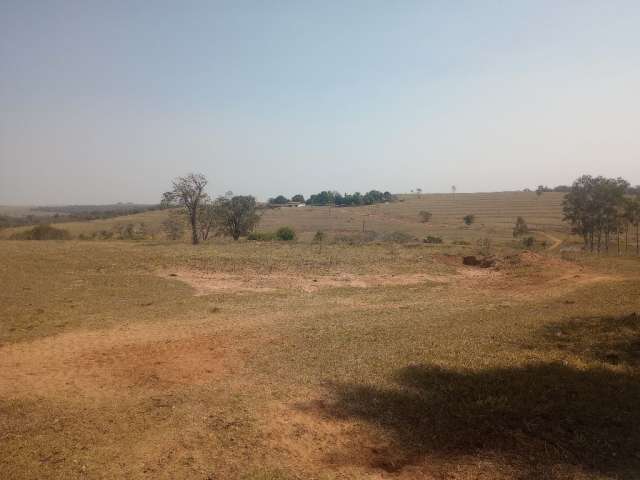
533, 418
612, 340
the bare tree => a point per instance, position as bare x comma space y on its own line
188, 193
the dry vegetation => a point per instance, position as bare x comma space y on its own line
250, 360
495, 215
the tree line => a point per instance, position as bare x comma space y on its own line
327, 197
602, 210
332, 197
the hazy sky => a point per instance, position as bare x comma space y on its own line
104, 101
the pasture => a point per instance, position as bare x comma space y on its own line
495, 216
275, 360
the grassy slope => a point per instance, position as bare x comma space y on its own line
112, 371
495, 216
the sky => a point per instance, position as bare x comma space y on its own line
107, 101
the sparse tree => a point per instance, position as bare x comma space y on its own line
453, 190
299, 198
520, 227
425, 217
237, 216
188, 193
469, 219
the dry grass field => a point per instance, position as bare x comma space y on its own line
252, 360
495, 216
281, 361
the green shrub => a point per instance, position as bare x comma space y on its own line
433, 240
42, 232
261, 236
286, 234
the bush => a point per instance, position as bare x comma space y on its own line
319, 236
261, 236
42, 232
528, 242
469, 219
285, 233
520, 227
425, 216
433, 240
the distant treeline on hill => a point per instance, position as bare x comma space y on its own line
567, 188
328, 197
74, 213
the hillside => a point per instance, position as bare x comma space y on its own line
495, 216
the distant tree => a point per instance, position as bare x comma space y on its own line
350, 199
188, 193
425, 217
299, 198
173, 226
542, 189
279, 200
520, 227
236, 217
419, 192
453, 189
631, 217
593, 208
228, 194
469, 219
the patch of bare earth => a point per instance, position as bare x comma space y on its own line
205, 283
113, 362
522, 277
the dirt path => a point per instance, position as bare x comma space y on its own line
556, 241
